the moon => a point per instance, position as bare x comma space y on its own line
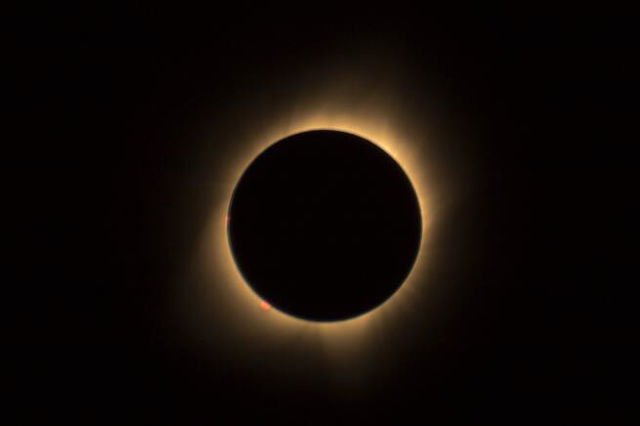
324, 225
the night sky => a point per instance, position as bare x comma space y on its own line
117, 122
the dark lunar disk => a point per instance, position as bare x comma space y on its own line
324, 225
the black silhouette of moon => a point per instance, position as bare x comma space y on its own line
324, 225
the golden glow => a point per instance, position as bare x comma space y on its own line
224, 296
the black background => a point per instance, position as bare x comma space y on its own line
98, 107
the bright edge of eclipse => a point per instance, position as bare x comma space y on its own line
223, 280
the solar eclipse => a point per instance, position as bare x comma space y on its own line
221, 291
324, 225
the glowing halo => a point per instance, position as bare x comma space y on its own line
221, 283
